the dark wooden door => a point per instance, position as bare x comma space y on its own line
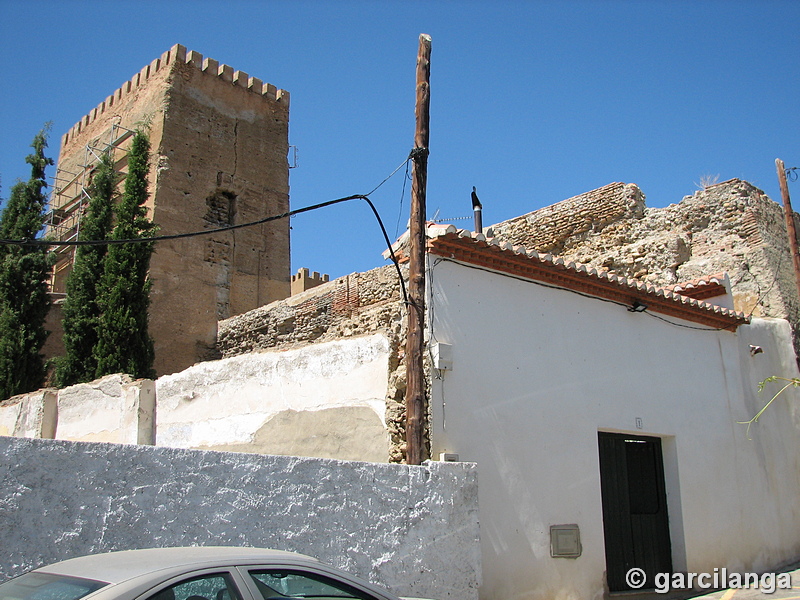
635, 519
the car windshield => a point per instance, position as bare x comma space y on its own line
43, 586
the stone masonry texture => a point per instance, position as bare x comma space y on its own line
728, 227
219, 143
355, 305
412, 529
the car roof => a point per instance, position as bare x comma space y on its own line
116, 567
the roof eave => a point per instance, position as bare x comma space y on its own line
518, 262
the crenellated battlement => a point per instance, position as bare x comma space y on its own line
178, 53
219, 142
304, 280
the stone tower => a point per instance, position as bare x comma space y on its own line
219, 143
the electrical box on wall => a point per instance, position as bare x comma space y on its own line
565, 541
442, 356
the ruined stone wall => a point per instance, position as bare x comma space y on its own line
729, 227
354, 305
548, 228
219, 140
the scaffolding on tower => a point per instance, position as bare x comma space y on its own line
70, 198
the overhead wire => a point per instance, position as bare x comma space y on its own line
579, 293
285, 215
406, 178
291, 213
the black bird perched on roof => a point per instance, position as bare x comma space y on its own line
475, 202
478, 210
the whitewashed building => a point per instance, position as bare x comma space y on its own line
602, 414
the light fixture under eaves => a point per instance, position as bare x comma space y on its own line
637, 307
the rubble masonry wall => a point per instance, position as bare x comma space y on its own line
355, 305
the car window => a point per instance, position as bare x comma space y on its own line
43, 586
213, 586
279, 584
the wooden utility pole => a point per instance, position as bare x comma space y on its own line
415, 385
789, 213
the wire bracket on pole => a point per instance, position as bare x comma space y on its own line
419, 153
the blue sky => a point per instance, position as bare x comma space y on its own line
532, 102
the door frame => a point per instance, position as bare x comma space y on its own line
636, 516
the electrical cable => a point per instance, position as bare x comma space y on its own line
406, 178
291, 213
590, 296
175, 236
647, 312
767, 291
400, 166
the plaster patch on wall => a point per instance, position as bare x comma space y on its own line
227, 403
345, 433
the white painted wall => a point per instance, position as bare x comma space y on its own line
114, 408
325, 400
411, 529
32, 415
537, 372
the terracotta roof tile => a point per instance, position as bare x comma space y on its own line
701, 288
679, 301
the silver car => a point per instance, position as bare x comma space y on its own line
193, 573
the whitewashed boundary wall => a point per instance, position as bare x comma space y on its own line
114, 408
413, 529
31, 415
326, 400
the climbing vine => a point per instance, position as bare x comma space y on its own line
790, 382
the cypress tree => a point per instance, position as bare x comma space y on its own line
24, 271
81, 309
124, 344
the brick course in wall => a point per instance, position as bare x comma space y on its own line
548, 228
